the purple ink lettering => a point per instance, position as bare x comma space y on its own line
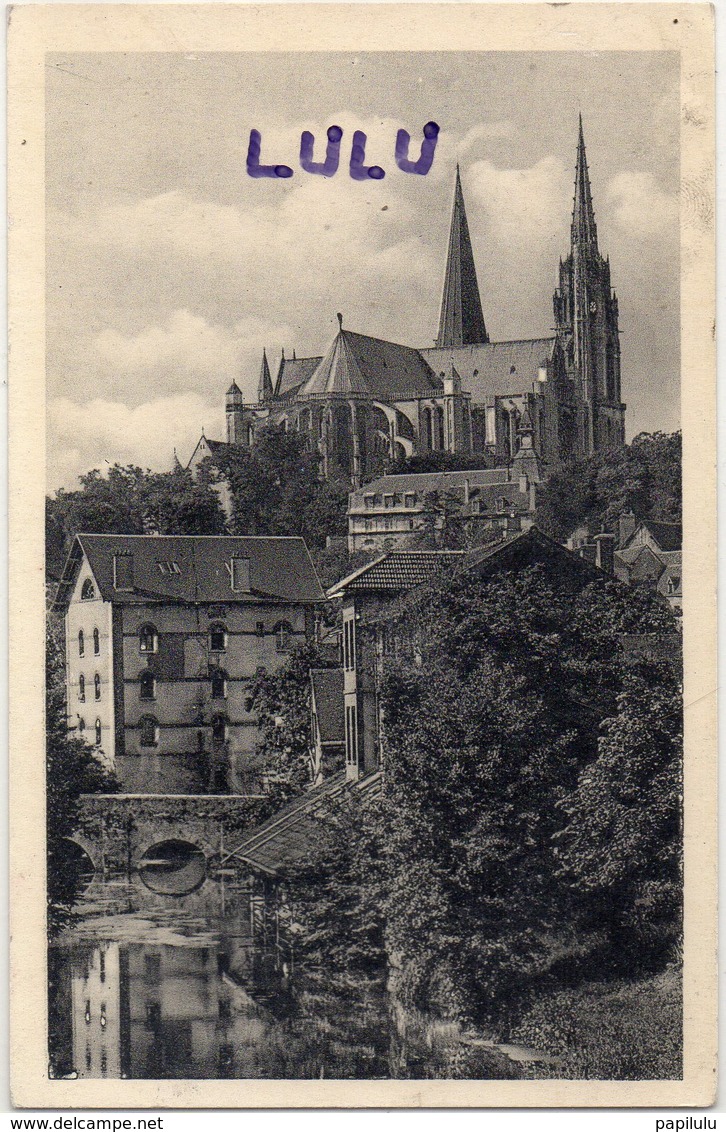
428, 149
359, 171
253, 160
325, 168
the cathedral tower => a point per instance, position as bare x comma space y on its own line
462, 319
586, 319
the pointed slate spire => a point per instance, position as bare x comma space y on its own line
264, 389
584, 230
462, 319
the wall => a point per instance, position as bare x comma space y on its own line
88, 615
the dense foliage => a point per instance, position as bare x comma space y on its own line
643, 477
72, 769
528, 832
276, 489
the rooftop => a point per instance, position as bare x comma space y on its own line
194, 568
398, 570
327, 689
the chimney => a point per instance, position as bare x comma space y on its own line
605, 552
626, 525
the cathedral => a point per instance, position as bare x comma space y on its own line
368, 402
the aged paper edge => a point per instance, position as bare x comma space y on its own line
37, 29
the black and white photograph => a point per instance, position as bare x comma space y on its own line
364, 563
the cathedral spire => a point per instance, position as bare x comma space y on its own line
264, 389
584, 230
462, 320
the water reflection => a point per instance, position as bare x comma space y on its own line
202, 985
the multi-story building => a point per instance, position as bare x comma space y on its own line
164, 638
367, 402
393, 511
640, 553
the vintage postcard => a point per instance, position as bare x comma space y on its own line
363, 511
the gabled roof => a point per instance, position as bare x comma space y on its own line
358, 364
294, 372
668, 536
280, 568
432, 481
209, 448
495, 369
327, 690
292, 832
397, 570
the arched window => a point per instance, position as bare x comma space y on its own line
147, 686
219, 684
81, 643
97, 686
98, 732
440, 437
148, 638
219, 728
428, 428
217, 637
96, 642
88, 590
283, 633
82, 689
81, 725
149, 731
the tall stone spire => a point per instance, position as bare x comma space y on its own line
584, 230
462, 319
264, 389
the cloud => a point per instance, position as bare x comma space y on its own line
640, 207
524, 206
101, 432
187, 346
488, 131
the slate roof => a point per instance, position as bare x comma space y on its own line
398, 570
502, 367
424, 482
668, 536
280, 568
327, 688
294, 372
291, 833
383, 370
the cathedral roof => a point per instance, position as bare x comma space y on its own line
293, 373
358, 364
462, 320
494, 369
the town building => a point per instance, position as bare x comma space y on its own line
367, 402
374, 634
164, 638
394, 511
646, 552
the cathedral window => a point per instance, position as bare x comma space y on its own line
96, 642
82, 688
81, 643
440, 436
88, 590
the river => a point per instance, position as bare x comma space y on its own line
146, 984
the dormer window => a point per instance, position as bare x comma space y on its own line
168, 567
674, 584
123, 572
388, 501
239, 569
88, 590
410, 500
501, 505
369, 500
217, 637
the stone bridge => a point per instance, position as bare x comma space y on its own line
116, 830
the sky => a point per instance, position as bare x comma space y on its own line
169, 268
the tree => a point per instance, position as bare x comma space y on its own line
129, 500
72, 769
281, 701
643, 477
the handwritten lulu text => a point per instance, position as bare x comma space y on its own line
359, 171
